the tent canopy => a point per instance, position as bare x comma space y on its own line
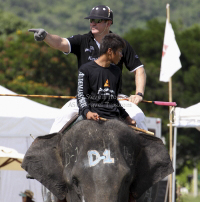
20, 115
10, 159
188, 117
184, 118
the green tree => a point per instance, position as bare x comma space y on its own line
10, 23
29, 67
66, 17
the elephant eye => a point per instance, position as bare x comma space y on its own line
75, 181
76, 186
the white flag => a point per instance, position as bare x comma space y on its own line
170, 62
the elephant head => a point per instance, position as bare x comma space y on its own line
98, 162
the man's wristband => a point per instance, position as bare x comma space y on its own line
140, 94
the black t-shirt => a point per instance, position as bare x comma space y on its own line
98, 90
86, 49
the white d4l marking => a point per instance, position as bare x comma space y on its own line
106, 157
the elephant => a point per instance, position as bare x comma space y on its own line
98, 162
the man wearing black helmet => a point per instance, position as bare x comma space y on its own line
86, 48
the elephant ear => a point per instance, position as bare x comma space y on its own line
43, 162
152, 165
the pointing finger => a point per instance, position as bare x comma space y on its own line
33, 30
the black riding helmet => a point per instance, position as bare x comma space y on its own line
101, 12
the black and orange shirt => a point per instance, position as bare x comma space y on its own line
98, 88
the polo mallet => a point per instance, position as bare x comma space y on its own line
41, 96
135, 128
72, 97
173, 104
161, 103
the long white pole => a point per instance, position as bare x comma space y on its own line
174, 166
195, 181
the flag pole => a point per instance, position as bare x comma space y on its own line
170, 63
170, 117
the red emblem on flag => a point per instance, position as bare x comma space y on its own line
164, 49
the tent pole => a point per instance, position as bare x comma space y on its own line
0, 187
167, 189
174, 166
170, 140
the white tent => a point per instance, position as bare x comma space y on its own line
187, 118
184, 118
20, 117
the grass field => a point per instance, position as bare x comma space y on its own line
189, 198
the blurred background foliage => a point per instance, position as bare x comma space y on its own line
66, 17
29, 67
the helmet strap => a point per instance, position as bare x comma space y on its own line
104, 29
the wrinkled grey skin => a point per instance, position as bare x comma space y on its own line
149, 196
126, 162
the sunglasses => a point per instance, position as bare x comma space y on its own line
96, 20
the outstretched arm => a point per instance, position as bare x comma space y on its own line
57, 42
140, 82
53, 41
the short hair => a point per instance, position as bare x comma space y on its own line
112, 41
